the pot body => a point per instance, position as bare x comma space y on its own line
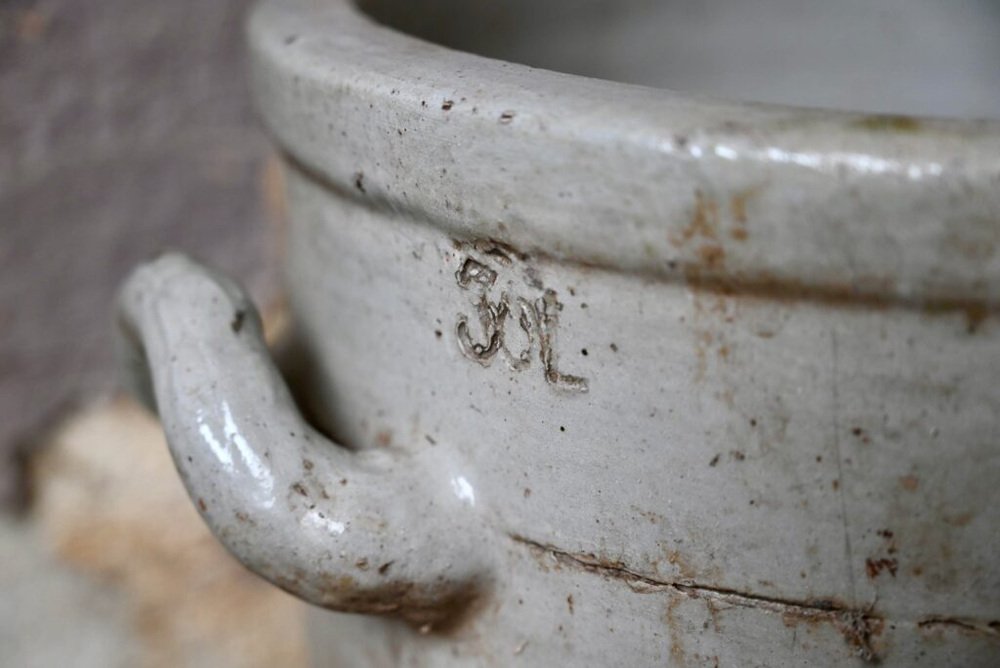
719, 382
744, 472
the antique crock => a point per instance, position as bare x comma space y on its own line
599, 374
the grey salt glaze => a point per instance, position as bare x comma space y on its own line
629, 377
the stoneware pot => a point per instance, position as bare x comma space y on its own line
603, 375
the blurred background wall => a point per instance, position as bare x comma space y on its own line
125, 129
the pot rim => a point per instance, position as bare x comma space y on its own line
746, 197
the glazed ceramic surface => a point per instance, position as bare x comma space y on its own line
600, 374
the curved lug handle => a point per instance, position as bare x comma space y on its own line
369, 531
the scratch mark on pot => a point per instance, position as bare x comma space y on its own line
991, 628
835, 431
859, 627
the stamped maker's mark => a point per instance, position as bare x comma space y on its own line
515, 312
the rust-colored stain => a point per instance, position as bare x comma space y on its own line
875, 567
960, 520
888, 123
861, 632
713, 613
704, 220
677, 654
711, 314
861, 435
383, 438
683, 566
975, 314
703, 228
864, 292
869, 292
890, 537
738, 203
711, 256
909, 482
861, 628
